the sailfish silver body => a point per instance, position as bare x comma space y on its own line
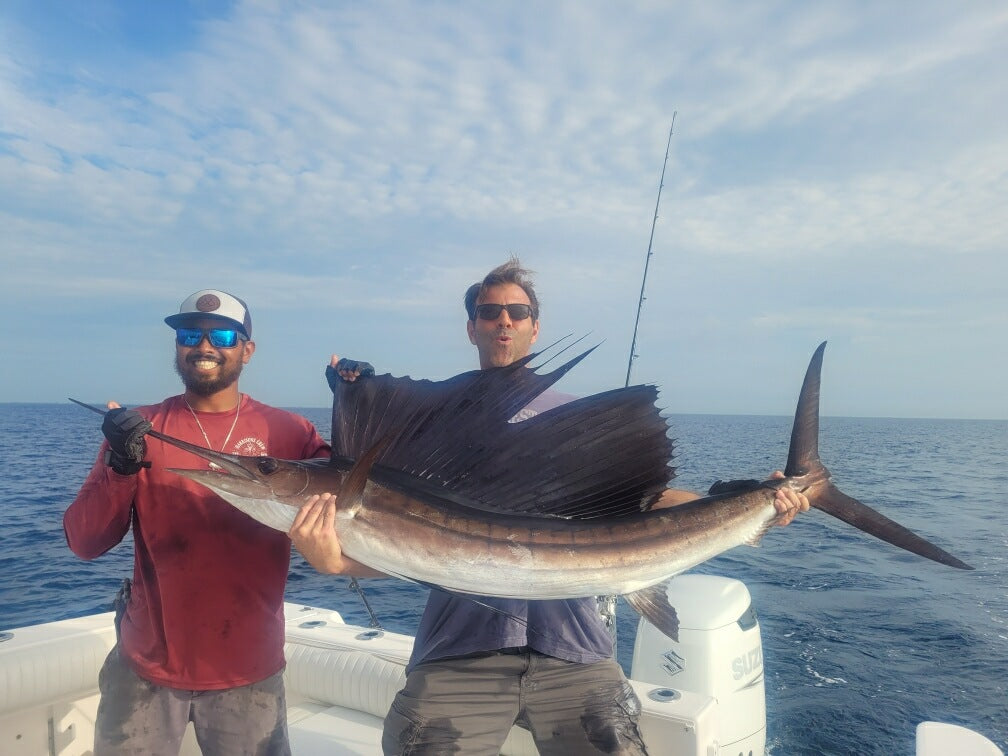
546, 558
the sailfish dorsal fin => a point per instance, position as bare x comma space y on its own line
606, 454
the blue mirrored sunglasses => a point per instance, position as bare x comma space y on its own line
221, 338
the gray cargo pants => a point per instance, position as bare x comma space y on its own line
136, 716
468, 704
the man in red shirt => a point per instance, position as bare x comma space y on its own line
201, 627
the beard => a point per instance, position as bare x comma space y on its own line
203, 385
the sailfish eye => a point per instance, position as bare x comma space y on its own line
267, 465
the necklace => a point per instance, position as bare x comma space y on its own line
203, 431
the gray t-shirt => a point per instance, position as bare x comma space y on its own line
570, 629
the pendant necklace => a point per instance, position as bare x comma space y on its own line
203, 431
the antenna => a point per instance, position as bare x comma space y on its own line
647, 260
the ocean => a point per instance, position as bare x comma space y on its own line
861, 640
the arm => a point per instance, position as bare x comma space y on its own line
787, 502
99, 517
313, 532
314, 535
673, 497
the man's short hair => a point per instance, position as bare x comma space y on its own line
510, 272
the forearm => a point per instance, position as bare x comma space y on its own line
99, 517
787, 502
314, 535
674, 496
353, 568
333, 562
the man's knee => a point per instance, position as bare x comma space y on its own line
610, 721
585, 709
408, 733
251, 719
135, 716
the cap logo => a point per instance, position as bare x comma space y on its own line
208, 303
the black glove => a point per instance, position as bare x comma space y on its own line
125, 430
733, 486
332, 373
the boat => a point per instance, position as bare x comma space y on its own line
701, 696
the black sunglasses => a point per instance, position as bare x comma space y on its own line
220, 338
493, 311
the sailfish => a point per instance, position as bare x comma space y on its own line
437, 486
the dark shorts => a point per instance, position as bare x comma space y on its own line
468, 705
136, 716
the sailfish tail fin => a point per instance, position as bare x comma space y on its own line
804, 463
835, 502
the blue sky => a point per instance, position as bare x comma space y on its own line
838, 171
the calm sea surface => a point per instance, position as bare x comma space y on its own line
861, 641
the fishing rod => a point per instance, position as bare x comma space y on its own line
647, 260
607, 604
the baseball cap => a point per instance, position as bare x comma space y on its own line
213, 303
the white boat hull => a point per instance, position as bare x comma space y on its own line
340, 680
702, 696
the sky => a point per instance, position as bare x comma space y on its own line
838, 171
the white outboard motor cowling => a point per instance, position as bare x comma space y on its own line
719, 654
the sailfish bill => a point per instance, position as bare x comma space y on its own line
435, 485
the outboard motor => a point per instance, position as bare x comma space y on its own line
719, 654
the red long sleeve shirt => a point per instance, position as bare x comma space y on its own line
206, 610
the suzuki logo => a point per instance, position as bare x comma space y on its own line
747, 663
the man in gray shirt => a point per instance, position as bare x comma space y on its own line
479, 664
477, 668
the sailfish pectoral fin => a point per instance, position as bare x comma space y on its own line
352, 490
652, 604
835, 502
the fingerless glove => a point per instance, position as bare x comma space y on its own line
125, 430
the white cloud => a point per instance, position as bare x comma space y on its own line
391, 152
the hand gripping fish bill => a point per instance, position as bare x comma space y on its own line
436, 486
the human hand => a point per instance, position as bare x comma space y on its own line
347, 370
314, 534
788, 502
125, 430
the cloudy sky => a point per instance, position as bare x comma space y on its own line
838, 171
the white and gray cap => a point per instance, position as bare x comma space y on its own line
213, 303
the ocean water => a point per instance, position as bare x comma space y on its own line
861, 640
